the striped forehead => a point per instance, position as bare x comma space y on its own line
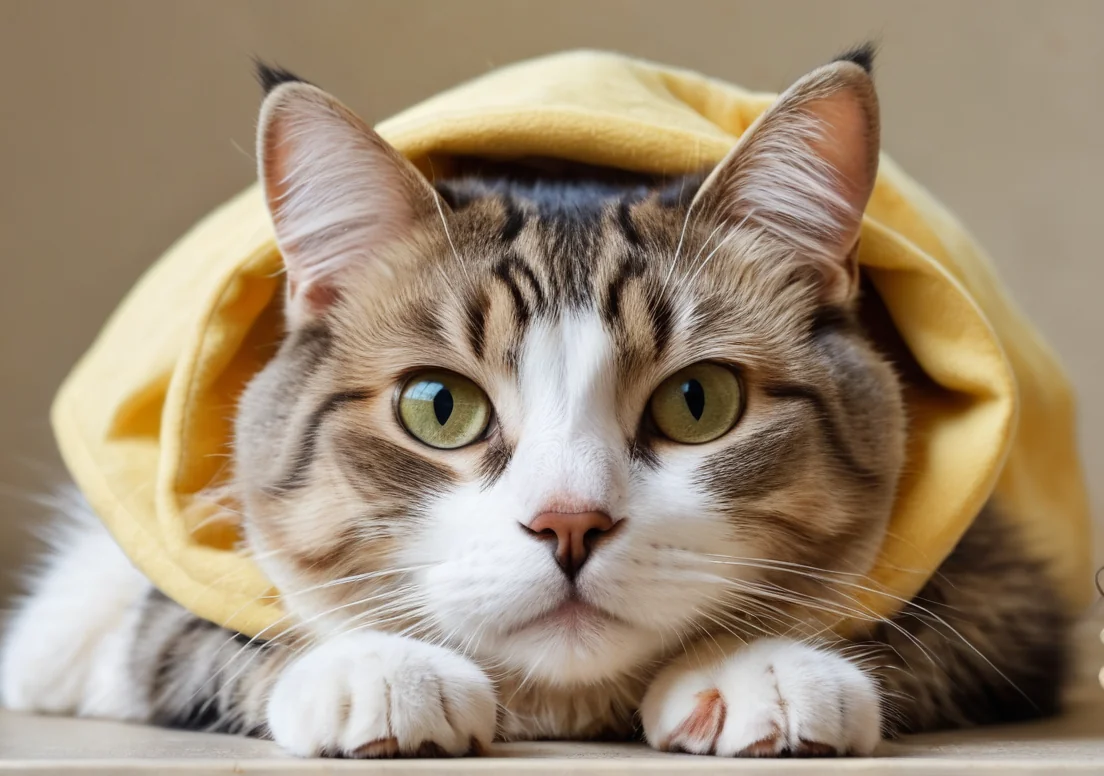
567, 253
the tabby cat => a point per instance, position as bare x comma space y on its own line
551, 451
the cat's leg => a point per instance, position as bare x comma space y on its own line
361, 694
94, 638
66, 647
987, 640
377, 695
772, 697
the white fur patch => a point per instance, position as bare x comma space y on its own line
487, 580
66, 649
770, 697
570, 453
374, 694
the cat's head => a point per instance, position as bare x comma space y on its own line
568, 428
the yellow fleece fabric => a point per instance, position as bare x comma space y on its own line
144, 421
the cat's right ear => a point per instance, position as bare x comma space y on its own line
803, 172
337, 192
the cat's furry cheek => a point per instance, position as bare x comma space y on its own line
485, 581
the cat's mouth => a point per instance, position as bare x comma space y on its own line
571, 614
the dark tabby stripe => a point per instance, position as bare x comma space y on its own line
519, 265
829, 428
308, 441
625, 221
456, 198
521, 307
425, 322
494, 462
663, 319
475, 320
642, 451
632, 266
757, 466
198, 676
379, 467
514, 222
830, 318
508, 270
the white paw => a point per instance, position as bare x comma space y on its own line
380, 695
770, 698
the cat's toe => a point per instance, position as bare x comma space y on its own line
375, 695
698, 729
774, 698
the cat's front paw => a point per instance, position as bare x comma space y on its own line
774, 697
380, 695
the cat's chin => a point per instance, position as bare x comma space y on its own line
572, 644
571, 617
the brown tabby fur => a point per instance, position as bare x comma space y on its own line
677, 272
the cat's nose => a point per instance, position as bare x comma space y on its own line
574, 532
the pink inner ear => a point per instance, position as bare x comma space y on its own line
804, 172
304, 297
845, 146
337, 192
316, 297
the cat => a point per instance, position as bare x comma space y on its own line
551, 451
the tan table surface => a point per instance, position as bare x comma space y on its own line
48, 745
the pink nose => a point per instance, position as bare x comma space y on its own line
574, 533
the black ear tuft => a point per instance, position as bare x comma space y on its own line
269, 77
862, 55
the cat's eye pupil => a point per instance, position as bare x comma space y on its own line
443, 409
442, 405
697, 404
694, 395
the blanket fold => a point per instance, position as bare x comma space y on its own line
144, 420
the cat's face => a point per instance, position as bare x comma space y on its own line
568, 429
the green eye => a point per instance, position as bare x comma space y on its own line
697, 404
443, 409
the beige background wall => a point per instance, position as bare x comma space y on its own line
122, 122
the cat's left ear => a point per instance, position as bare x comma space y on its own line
338, 193
804, 171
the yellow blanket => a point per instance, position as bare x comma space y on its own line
144, 420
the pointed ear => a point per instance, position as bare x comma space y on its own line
804, 171
336, 191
